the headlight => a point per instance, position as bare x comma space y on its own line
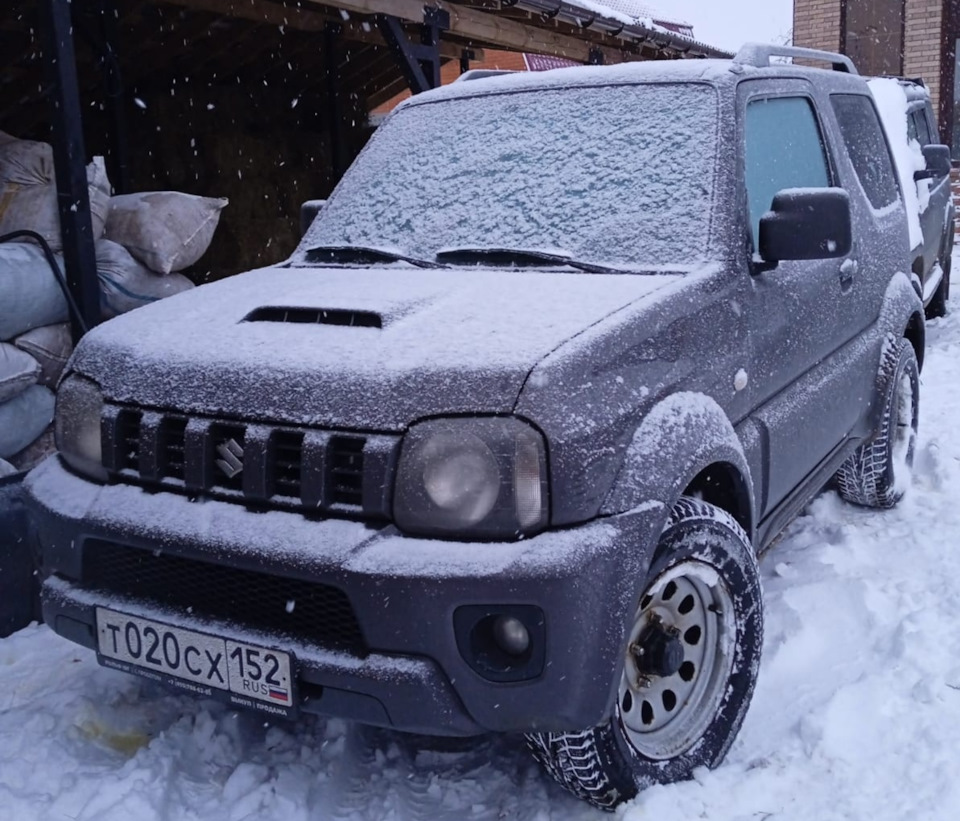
79, 408
472, 478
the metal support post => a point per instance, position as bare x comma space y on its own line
98, 24
69, 156
331, 35
420, 62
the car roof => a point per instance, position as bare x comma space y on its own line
718, 73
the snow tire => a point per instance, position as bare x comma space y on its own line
602, 765
878, 472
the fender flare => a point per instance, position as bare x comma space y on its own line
682, 435
901, 314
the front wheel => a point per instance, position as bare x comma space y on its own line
689, 666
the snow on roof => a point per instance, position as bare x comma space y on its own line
636, 11
646, 71
632, 13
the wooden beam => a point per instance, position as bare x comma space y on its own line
484, 29
296, 19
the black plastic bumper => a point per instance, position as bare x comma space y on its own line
405, 594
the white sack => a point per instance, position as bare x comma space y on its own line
28, 190
30, 295
34, 453
18, 371
51, 346
166, 230
125, 284
24, 418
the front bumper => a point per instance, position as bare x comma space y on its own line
404, 593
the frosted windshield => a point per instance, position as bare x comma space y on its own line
621, 175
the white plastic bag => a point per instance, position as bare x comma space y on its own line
18, 371
51, 346
125, 284
166, 230
34, 453
30, 295
28, 190
24, 418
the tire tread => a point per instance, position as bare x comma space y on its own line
864, 479
580, 761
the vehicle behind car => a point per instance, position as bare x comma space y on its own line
923, 164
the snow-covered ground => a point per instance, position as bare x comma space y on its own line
857, 713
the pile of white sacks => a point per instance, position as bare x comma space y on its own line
142, 241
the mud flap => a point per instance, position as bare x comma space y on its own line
19, 588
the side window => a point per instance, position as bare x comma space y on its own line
783, 149
913, 133
928, 128
867, 147
917, 127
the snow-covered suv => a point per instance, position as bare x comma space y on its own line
498, 447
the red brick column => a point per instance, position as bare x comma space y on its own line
921, 43
816, 24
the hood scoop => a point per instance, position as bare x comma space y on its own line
316, 316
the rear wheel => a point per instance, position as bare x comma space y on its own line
878, 473
689, 666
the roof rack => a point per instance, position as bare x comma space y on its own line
758, 55
480, 73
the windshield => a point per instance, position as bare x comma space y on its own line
616, 175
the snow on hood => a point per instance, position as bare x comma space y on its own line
450, 342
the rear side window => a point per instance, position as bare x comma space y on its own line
867, 147
784, 149
917, 127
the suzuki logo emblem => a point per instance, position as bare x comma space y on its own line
231, 462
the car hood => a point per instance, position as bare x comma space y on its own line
300, 345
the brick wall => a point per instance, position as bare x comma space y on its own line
816, 24
922, 33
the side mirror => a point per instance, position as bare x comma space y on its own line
308, 213
806, 223
938, 162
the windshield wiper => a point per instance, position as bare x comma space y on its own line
363, 254
520, 257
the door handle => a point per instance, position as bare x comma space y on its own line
848, 270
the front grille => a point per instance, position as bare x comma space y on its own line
346, 470
263, 466
317, 612
287, 464
172, 447
127, 439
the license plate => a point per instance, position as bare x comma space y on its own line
248, 675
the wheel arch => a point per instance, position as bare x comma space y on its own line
916, 334
917, 270
685, 446
722, 485
901, 314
